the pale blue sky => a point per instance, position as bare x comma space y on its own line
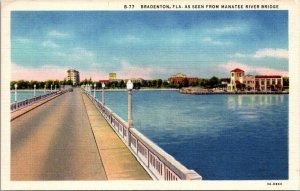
149, 44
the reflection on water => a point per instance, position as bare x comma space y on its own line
246, 106
246, 101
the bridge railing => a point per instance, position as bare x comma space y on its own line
157, 162
24, 103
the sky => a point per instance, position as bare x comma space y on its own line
147, 44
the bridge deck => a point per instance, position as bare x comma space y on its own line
118, 161
24, 110
55, 141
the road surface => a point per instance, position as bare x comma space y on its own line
55, 142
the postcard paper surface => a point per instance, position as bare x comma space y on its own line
150, 95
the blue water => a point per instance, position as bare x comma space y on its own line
24, 95
222, 137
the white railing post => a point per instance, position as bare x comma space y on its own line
16, 86
34, 86
95, 91
19, 105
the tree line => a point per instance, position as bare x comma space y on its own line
23, 84
208, 83
212, 82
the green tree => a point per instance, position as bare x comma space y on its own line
165, 84
12, 84
122, 84
154, 83
240, 86
203, 82
213, 82
159, 83
286, 81
137, 85
195, 83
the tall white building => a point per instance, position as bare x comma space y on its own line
73, 75
236, 77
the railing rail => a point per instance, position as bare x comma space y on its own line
158, 163
24, 103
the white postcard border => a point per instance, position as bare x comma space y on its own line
294, 97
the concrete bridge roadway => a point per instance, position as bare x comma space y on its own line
67, 139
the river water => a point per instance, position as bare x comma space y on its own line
22, 95
222, 137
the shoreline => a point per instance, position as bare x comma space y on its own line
171, 89
121, 90
235, 93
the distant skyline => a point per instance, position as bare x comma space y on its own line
147, 44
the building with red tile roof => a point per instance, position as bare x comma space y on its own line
238, 80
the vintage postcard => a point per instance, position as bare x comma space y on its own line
144, 95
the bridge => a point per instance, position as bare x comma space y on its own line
70, 135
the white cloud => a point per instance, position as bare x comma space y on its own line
132, 38
50, 44
263, 53
234, 27
239, 55
212, 41
46, 72
253, 70
77, 55
81, 54
24, 40
229, 29
58, 34
268, 52
93, 74
127, 39
128, 70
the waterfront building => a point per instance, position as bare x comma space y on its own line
192, 80
236, 77
104, 81
268, 83
254, 83
137, 80
180, 78
177, 78
112, 76
249, 81
73, 75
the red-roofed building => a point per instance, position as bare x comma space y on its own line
237, 70
236, 77
267, 76
249, 82
180, 78
104, 81
268, 83
257, 83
